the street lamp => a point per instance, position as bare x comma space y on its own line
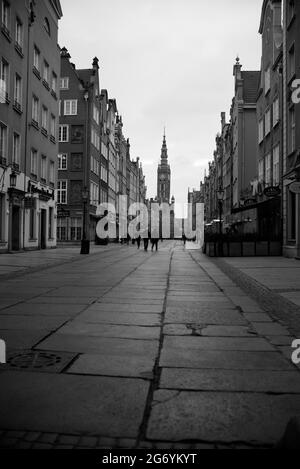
85, 242
220, 196
13, 180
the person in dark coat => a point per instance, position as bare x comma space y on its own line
154, 241
138, 241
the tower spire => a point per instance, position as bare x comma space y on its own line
164, 149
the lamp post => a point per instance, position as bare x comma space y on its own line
85, 242
220, 196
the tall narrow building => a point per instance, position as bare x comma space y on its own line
163, 175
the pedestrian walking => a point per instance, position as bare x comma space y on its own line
184, 239
138, 241
154, 241
146, 243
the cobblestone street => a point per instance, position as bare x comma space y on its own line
133, 349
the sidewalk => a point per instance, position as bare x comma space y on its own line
139, 349
20, 262
274, 282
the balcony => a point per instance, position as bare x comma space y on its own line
6, 32
17, 106
19, 49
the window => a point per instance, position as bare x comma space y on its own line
19, 34
292, 130
267, 122
36, 58
46, 72
45, 118
51, 222
276, 153
54, 82
260, 130
62, 192
16, 148
291, 13
61, 230
43, 168
291, 63
52, 172
33, 162
94, 193
95, 138
3, 140
47, 26
18, 91
62, 161
63, 133
64, 83
4, 80
261, 170
103, 173
96, 113
53, 126
95, 165
59, 107
275, 112
5, 15
35, 110
76, 228
267, 80
268, 179
70, 107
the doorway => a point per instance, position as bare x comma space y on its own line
15, 227
43, 228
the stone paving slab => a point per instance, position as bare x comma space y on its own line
113, 317
217, 343
114, 365
216, 417
110, 330
98, 345
227, 360
22, 339
230, 380
35, 322
31, 309
258, 317
127, 307
72, 404
66, 300
266, 328
203, 316
131, 301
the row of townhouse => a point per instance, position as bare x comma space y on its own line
62, 150
29, 74
94, 157
256, 164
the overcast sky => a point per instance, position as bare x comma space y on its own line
166, 62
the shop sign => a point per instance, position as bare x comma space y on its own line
272, 191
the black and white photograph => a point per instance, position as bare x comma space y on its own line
149, 228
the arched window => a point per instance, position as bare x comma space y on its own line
47, 25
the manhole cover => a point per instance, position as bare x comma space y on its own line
36, 360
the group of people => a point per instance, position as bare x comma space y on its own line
153, 240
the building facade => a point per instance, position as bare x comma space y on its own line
79, 161
291, 128
30, 67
